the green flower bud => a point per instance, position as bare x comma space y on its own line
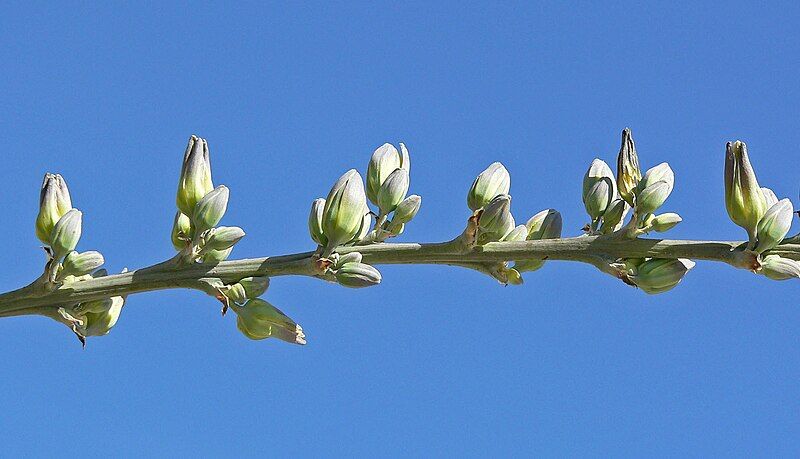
658, 275
395, 228
345, 208
54, 202
383, 162
774, 225
527, 266
744, 198
315, 222
614, 216
258, 319
628, 172
652, 197
100, 323
519, 233
357, 275
93, 307
660, 173
223, 237
770, 199
779, 268
78, 264
247, 288
210, 209
181, 231
393, 190
236, 293
664, 222
215, 256
366, 223
496, 220
407, 209
195, 180
599, 188
545, 225
66, 233
351, 257
492, 182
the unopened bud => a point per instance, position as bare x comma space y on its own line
351, 257
247, 288
66, 233
345, 208
664, 222
210, 209
315, 222
658, 275
779, 268
492, 182
100, 323
181, 230
78, 264
366, 223
393, 190
496, 220
407, 209
628, 172
599, 188
744, 198
215, 256
357, 275
92, 307
54, 202
195, 180
660, 173
383, 162
258, 319
652, 197
223, 237
545, 225
774, 225
769, 197
395, 228
519, 233
614, 216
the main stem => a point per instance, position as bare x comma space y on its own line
587, 249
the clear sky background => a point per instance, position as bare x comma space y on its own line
436, 360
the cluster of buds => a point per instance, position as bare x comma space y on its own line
201, 206
758, 210
608, 199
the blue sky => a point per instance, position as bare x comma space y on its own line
435, 361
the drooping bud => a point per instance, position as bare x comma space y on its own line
66, 233
599, 188
54, 202
496, 220
258, 319
628, 172
651, 198
744, 198
658, 275
780, 268
393, 190
223, 237
774, 225
215, 256
210, 209
100, 323
92, 307
664, 222
545, 225
519, 233
614, 216
492, 182
78, 264
407, 209
769, 197
345, 208
181, 230
383, 162
357, 275
315, 222
195, 180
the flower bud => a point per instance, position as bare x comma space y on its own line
66, 233
393, 190
258, 319
405, 158
779, 268
195, 180
54, 202
247, 288
181, 231
210, 209
351, 257
315, 221
652, 197
395, 228
658, 275
215, 256
664, 222
344, 211
628, 172
93, 307
599, 188
407, 209
78, 264
660, 173
235, 293
614, 216
357, 275
769, 197
223, 237
774, 225
100, 323
527, 266
744, 198
545, 225
366, 223
383, 162
496, 220
519, 233
492, 182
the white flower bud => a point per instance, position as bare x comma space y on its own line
769, 197
744, 198
393, 190
345, 209
774, 225
599, 188
519, 233
258, 319
223, 237
357, 275
628, 172
492, 182
195, 180
181, 231
407, 209
100, 323
383, 162
658, 275
614, 216
78, 264
652, 197
54, 202
664, 222
545, 225
215, 256
779, 268
210, 209
315, 222
496, 220
660, 173
66, 233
